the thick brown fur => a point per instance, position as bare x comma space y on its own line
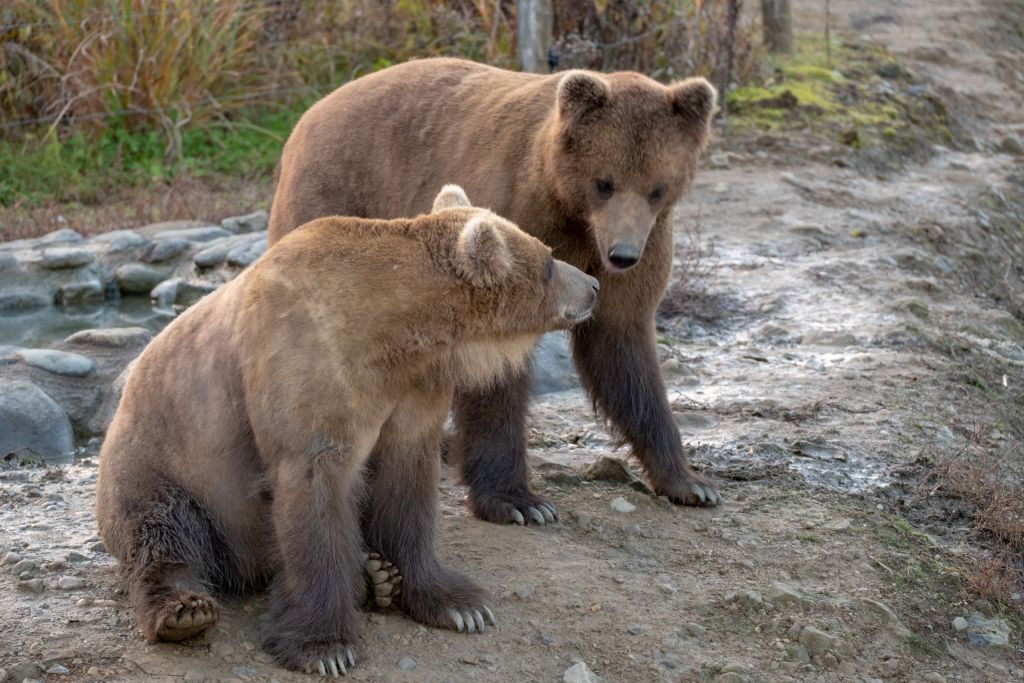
591, 164
298, 410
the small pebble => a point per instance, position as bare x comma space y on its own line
59, 670
407, 664
70, 583
86, 601
622, 505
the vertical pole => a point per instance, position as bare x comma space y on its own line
533, 34
778, 25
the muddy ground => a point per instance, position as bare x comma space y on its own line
849, 312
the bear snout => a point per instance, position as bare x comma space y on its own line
623, 256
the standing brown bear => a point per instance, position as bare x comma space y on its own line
590, 163
306, 396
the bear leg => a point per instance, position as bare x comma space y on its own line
312, 618
176, 558
400, 520
489, 448
618, 366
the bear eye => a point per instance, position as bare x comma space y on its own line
605, 189
656, 194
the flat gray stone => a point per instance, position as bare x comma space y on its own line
58, 258
203, 234
8, 261
245, 254
580, 673
816, 641
29, 419
111, 337
62, 236
89, 291
121, 240
188, 293
16, 301
984, 632
164, 294
253, 222
70, 583
136, 278
58, 362
165, 250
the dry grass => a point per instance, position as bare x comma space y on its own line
184, 198
982, 479
688, 294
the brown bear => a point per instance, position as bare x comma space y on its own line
590, 163
297, 412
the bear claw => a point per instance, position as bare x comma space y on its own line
335, 664
471, 621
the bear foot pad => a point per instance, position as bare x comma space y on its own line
335, 664
187, 615
385, 580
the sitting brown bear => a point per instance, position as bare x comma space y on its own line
307, 397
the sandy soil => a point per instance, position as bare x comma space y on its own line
830, 376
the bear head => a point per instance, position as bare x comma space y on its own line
624, 150
516, 286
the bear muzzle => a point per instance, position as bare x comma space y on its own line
623, 256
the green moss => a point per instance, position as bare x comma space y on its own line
842, 97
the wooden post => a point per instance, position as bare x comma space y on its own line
778, 25
533, 34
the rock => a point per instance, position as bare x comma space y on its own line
781, 594
10, 558
136, 278
163, 294
729, 677
693, 630
112, 337
29, 419
694, 419
407, 664
58, 670
88, 291
245, 254
195, 676
87, 601
98, 547
622, 505
553, 369
118, 241
1011, 145
31, 585
24, 670
984, 632
934, 677
817, 642
524, 592
75, 556
58, 362
165, 250
750, 600
213, 254
58, 258
187, 293
246, 673
203, 234
636, 629
70, 583
23, 566
252, 222
579, 673
24, 300
62, 236
959, 624
607, 468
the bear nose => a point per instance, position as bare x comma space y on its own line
624, 256
595, 284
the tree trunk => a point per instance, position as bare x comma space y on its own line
778, 25
533, 34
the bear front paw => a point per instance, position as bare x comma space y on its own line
512, 508
694, 489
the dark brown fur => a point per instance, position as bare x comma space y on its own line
298, 411
533, 148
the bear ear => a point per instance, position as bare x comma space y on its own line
580, 92
450, 196
694, 100
481, 255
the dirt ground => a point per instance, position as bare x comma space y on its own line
828, 377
